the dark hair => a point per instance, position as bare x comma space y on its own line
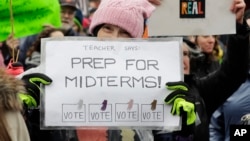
96, 29
36, 46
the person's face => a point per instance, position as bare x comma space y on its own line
56, 34
186, 59
206, 43
67, 16
112, 31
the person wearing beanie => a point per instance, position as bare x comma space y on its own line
128, 15
118, 19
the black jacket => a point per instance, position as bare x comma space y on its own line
212, 90
204, 65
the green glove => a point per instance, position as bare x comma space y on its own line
32, 84
183, 101
28, 100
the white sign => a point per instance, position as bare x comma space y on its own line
110, 83
192, 17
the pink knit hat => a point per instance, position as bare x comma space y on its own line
126, 14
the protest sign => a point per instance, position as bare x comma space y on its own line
192, 17
109, 83
29, 16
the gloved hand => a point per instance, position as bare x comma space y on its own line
183, 101
32, 84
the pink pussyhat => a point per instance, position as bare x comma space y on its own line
126, 14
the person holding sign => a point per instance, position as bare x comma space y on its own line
127, 22
118, 19
113, 19
202, 91
235, 111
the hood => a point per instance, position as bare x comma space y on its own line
10, 87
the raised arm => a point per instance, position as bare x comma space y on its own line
217, 87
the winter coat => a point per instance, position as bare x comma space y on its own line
17, 127
11, 107
203, 66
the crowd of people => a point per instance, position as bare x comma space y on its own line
212, 96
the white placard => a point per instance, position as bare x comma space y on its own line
110, 83
213, 18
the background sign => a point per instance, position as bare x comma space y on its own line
110, 83
192, 17
29, 16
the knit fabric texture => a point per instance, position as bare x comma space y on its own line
126, 14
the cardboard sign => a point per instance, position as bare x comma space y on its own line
192, 17
110, 83
29, 16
